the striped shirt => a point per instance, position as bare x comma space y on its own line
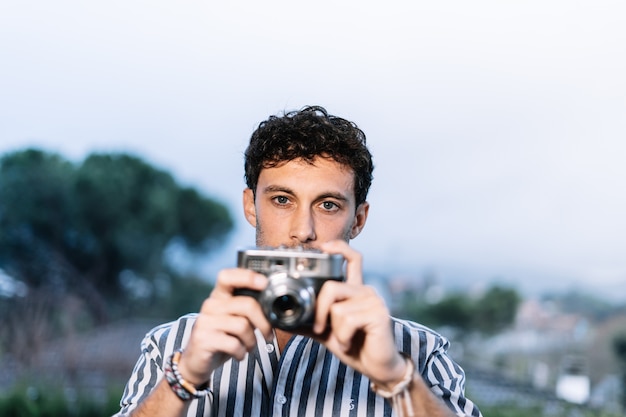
303, 380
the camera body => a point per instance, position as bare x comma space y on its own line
296, 276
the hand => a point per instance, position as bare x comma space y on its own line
360, 333
225, 325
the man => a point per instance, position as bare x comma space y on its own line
308, 174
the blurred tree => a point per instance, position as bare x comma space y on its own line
37, 213
454, 310
131, 212
495, 310
78, 228
619, 348
488, 314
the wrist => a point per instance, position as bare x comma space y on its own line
183, 363
398, 392
184, 389
395, 375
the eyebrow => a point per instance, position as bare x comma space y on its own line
277, 188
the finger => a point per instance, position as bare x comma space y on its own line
210, 350
214, 308
330, 293
354, 259
236, 326
364, 313
230, 279
350, 309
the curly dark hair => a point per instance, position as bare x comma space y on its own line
307, 134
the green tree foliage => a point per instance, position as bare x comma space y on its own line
76, 228
619, 348
491, 312
37, 214
454, 311
495, 309
38, 400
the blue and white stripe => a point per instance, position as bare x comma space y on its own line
304, 380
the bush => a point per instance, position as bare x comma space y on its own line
514, 410
31, 401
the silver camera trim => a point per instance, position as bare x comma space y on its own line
297, 262
297, 273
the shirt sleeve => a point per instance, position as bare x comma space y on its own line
441, 373
157, 345
146, 373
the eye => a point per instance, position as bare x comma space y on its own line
329, 206
281, 200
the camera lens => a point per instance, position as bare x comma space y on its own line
287, 307
288, 302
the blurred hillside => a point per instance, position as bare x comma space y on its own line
87, 268
555, 350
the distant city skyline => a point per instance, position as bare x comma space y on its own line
498, 130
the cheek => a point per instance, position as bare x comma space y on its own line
336, 229
271, 225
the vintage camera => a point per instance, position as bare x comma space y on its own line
295, 277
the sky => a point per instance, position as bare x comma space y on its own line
498, 129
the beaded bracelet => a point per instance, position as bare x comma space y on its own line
183, 389
400, 391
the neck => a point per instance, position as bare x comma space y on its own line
282, 337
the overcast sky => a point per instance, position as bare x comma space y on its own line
498, 128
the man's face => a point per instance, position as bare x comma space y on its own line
298, 203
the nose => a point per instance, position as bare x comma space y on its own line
302, 228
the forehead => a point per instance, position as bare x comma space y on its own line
320, 175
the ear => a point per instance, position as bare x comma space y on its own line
249, 209
359, 219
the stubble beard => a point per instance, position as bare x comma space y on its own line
261, 242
